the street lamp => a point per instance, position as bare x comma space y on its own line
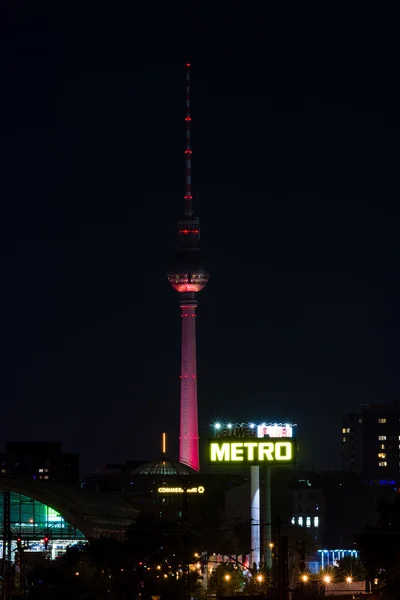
327, 579
304, 578
227, 577
349, 580
260, 578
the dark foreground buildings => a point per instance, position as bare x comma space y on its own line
167, 492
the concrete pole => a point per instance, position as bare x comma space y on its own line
267, 519
255, 515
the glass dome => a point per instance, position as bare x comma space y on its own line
164, 467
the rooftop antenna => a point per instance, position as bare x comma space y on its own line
188, 149
164, 445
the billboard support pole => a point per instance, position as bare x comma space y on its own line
255, 516
267, 520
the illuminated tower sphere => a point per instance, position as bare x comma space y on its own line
188, 275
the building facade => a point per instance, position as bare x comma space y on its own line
371, 442
41, 461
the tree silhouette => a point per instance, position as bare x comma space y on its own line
226, 580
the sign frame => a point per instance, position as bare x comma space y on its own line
253, 452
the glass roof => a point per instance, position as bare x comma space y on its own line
164, 467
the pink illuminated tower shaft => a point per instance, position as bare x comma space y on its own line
189, 433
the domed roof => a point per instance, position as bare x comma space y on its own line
164, 467
188, 272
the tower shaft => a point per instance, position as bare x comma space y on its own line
189, 432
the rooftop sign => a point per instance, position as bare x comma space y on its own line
178, 490
264, 451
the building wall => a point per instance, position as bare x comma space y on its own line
308, 508
40, 461
352, 443
371, 442
381, 433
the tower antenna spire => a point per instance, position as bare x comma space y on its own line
188, 149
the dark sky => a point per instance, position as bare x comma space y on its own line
296, 137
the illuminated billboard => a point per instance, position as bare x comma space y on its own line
253, 430
254, 451
178, 490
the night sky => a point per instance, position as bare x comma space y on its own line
296, 147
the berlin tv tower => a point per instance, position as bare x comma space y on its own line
188, 275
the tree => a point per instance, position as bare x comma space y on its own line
226, 580
257, 582
349, 567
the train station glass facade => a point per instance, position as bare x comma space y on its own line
33, 520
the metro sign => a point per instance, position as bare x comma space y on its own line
255, 452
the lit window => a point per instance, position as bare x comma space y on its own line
308, 521
46, 470
46, 476
344, 439
360, 420
3, 471
293, 521
40, 470
383, 437
383, 464
382, 420
383, 446
381, 455
316, 521
348, 430
300, 521
344, 430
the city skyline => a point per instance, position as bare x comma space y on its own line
295, 180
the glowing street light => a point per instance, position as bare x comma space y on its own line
260, 578
304, 578
349, 580
227, 577
327, 579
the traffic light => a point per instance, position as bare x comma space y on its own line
46, 542
19, 542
